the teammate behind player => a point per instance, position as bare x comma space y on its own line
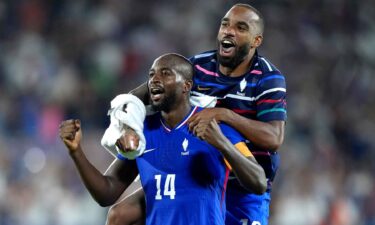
183, 175
251, 96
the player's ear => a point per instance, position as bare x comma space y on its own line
257, 41
188, 85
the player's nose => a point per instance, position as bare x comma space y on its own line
228, 31
155, 78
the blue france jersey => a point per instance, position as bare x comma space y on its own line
184, 178
259, 94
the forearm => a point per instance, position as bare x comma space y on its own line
266, 135
249, 173
104, 189
142, 93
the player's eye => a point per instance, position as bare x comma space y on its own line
224, 23
165, 72
242, 28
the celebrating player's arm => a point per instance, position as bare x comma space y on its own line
104, 188
247, 170
267, 135
142, 93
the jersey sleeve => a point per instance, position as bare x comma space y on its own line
202, 57
271, 98
192, 59
233, 135
237, 140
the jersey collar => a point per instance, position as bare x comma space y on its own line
182, 123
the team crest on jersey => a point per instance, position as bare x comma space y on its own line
185, 144
243, 84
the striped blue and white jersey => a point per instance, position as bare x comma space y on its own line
259, 94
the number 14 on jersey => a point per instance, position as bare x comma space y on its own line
169, 187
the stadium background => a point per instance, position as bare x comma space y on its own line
65, 59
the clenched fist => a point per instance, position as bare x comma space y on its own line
129, 141
71, 134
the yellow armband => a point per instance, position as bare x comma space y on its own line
245, 151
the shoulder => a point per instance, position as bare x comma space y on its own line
266, 66
269, 76
233, 135
203, 57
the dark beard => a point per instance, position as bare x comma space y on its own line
166, 105
233, 62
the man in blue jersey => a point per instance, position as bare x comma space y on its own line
251, 95
183, 174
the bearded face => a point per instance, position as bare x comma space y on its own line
229, 55
163, 101
163, 91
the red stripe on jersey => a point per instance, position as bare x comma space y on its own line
225, 186
188, 117
244, 111
269, 101
261, 153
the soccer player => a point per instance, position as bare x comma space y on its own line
183, 175
251, 96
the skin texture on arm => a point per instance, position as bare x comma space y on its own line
267, 135
250, 174
142, 93
105, 189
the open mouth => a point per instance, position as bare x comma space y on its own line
227, 47
227, 44
156, 93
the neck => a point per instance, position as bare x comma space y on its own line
239, 70
175, 116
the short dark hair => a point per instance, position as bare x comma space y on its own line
181, 64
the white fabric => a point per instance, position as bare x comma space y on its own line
133, 116
203, 101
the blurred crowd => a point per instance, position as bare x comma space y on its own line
68, 59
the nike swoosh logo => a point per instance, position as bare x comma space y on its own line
203, 88
149, 150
